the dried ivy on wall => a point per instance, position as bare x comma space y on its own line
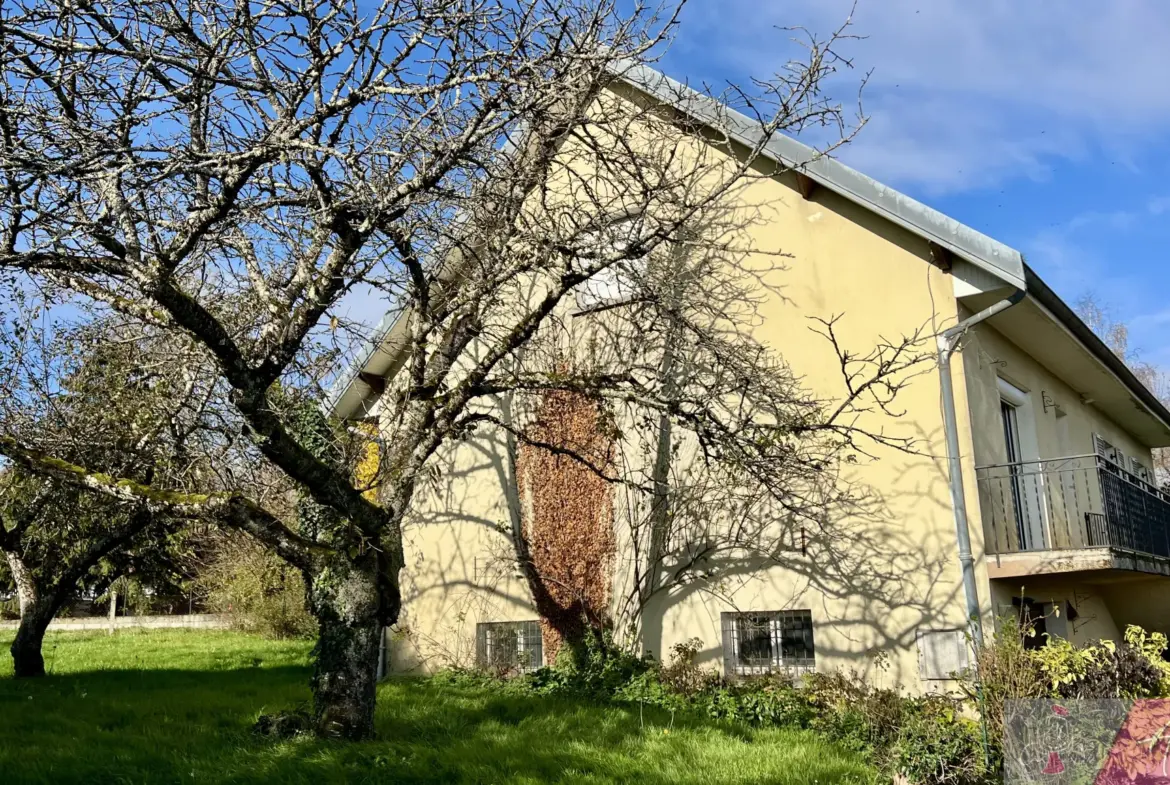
568, 515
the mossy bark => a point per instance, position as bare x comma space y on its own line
344, 597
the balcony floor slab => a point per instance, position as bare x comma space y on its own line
1080, 560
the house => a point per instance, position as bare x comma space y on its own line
1049, 444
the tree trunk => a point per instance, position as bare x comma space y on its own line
27, 660
26, 587
35, 614
344, 597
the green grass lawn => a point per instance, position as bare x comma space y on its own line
177, 706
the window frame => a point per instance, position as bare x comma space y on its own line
780, 627
588, 296
525, 637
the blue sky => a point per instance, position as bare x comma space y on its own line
1043, 123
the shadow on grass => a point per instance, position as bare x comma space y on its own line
194, 726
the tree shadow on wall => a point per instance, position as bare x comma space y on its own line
872, 577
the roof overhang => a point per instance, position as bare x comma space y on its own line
966, 243
360, 383
1046, 328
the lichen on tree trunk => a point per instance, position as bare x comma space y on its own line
344, 597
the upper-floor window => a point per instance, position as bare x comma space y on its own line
508, 646
1140, 470
1108, 451
757, 642
616, 284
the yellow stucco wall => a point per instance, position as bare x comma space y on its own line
1065, 429
892, 571
877, 577
882, 575
1094, 613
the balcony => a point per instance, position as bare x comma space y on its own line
1072, 514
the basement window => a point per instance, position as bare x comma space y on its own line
508, 646
759, 642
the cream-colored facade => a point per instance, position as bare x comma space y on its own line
887, 597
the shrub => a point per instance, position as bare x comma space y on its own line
259, 591
683, 674
1004, 671
927, 740
1101, 669
761, 700
1105, 669
937, 744
1152, 647
597, 668
852, 712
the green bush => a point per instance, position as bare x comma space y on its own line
259, 591
928, 740
937, 744
1007, 671
1134, 668
598, 669
762, 700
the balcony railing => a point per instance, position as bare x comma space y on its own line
1082, 501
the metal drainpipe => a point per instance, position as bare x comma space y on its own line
948, 341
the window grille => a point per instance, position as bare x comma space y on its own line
509, 645
758, 642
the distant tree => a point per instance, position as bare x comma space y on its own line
54, 537
57, 537
1100, 320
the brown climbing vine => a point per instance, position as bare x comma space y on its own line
568, 522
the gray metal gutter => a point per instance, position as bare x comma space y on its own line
349, 374
1001, 260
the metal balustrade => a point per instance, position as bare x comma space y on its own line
1082, 501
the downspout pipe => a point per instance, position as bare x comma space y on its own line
948, 341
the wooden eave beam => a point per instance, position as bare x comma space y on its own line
805, 184
373, 381
941, 258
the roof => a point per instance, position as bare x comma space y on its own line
1043, 294
991, 255
1003, 262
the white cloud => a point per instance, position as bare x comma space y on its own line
965, 93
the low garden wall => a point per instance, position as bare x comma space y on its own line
199, 621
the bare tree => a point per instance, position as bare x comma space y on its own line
228, 172
657, 400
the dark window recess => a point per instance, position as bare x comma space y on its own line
757, 642
1032, 617
508, 645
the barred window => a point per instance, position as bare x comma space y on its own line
757, 642
508, 645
